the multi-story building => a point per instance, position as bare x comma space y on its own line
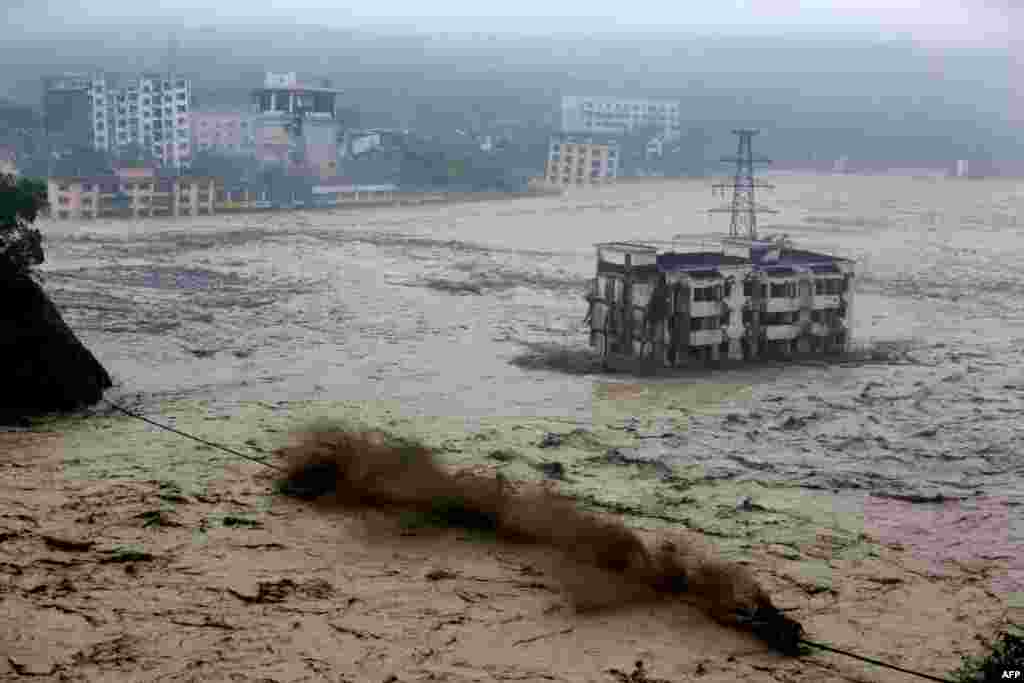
75, 111
149, 114
618, 116
297, 125
749, 299
581, 160
225, 131
131, 194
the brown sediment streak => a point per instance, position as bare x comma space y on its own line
340, 468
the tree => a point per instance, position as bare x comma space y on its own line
45, 365
21, 202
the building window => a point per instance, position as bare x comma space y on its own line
783, 290
704, 294
784, 318
707, 323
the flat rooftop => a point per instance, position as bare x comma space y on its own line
670, 257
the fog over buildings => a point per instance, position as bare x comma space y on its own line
885, 84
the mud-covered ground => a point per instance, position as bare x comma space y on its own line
144, 579
462, 324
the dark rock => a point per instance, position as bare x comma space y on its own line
620, 456
747, 504
913, 497
41, 356
440, 575
68, 544
552, 470
551, 440
502, 455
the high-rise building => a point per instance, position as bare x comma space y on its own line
75, 111
615, 115
149, 114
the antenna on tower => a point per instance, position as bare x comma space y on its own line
743, 208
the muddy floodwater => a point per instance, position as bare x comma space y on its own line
474, 312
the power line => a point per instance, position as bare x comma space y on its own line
876, 662
137, 416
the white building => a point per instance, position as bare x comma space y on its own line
152, 112
614, 115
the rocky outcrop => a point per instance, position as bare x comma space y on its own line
44, 367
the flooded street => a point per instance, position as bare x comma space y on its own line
455, 310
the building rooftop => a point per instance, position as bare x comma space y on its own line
670, 258
696, 261
298, 87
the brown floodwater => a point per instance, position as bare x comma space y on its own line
460, 309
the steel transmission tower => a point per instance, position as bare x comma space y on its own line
743, 208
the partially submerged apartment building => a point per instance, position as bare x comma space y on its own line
749, 299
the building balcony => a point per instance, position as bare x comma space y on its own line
705, 337
781, 305
704, 309
781, 332
822, 301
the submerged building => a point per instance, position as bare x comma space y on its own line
748, 300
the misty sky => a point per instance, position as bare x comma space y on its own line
927, 21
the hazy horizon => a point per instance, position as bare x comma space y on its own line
834, 78
941, 22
